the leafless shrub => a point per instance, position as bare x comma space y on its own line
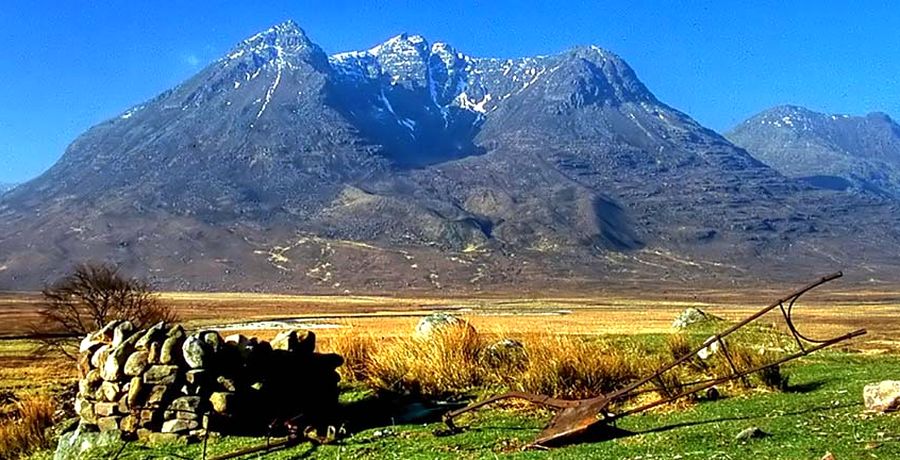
87, 299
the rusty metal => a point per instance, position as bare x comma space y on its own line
575, 418
297, 434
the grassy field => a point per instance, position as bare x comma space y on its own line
820, 412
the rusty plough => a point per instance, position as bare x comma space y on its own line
577, 418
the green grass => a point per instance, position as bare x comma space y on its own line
822, 412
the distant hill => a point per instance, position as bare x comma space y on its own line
5, 187
832, 151
414, 166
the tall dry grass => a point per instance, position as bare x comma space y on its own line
459, 360
24, 428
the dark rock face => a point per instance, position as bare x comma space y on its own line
414, 166
836, 152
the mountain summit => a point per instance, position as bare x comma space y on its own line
411, 165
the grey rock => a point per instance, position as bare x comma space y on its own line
122, 332
753, 432
136, 363
171, 349
109, 423
691, 316
135, 391
85, 410
222, 402
79, 444
195, 352
155, 333
440, 322
99, 356
179, 426
157, 394
506, 352
161, 374
111, 391
227, 383
186, 404
212, 339
105, 409
882, 396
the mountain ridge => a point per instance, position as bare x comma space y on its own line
828, 150
418, 167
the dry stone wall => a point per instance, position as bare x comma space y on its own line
166, 380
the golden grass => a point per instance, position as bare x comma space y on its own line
24, 430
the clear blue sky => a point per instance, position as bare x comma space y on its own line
68, 64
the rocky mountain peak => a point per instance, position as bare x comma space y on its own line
284, 41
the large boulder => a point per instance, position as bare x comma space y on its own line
78, 444
883, 396
691, 316
438, 323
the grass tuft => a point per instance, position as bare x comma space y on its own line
24, 430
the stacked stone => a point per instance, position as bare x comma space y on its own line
164, 380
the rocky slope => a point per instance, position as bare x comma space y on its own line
414, 166
830, 151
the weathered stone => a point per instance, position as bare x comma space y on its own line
179, 426
135, 391
883, 396
154, 351
285, 340
108, 423
828, 456
196, 376
185, 403
212, 339
114, 365
107, 332
85, 410
136, 363
149, 418
710, 348
754, 432
440, 322
129, 424
156, 439
160, 374
90, 383
692, 316
155, 333
227, 384
195, 352
91, 342
221, 402
237, 339
175, 331
171, 350
105, 409
99, 356
111, 391
157, 394
84, 363
181, 415
122, 405
121, 333
76, 445
506, 353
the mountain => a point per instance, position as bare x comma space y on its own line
830, 151
5, 187
414, 166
